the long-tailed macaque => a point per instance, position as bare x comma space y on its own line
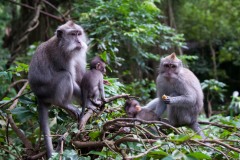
55, 73
179, 91
92, 84
134, 110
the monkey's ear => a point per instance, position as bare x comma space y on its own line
59, 33
173, 56
98, 66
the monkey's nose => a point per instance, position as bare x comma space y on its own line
79, 44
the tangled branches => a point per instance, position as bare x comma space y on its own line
117, 133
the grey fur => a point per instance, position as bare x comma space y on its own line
92, 84
185, 96
55, 73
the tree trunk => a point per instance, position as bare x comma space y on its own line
213, 53
172, 23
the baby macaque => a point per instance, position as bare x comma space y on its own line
134, 110
92, 84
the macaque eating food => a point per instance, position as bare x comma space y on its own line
179, 92
134, 110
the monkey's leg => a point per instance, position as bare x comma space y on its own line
73, 111
197, 129
64, 93
43, 119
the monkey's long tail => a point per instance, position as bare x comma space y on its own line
84, 103
43, 118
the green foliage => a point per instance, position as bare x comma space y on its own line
208, 22
125, 34
143, 89
214, 89
68, 155
126, 29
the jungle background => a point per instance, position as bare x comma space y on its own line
132, 36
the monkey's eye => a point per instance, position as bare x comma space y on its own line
167, 65
73, 34
79, 33
173, 66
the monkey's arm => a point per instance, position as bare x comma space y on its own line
152, 105
183, 100
156, 106
161, 107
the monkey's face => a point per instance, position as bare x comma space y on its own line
170, 66
72, 37
132, 108
101, 66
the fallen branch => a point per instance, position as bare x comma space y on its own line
219, 125
224, 145
204, 144
114, 122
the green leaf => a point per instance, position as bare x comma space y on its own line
103, 154
157, 154
94, 135
168, 158
22, 114
180, 138
199, 155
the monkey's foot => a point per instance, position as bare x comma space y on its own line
96, 103
93, 108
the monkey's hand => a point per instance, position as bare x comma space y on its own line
166, 99
107, 83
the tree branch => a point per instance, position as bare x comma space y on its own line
219, 125
19, 133
42, 12
12, 85
90, 111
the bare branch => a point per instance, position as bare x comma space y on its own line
204, 144
37, 156
219, 125
12, 85
223, 144
42, 12
19, 133
90, 111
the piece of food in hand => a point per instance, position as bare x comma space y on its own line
164, 97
